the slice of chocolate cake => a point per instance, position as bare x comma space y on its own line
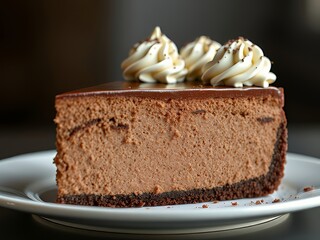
129, 144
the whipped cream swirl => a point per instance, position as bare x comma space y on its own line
239, 62
154, 60
197, 53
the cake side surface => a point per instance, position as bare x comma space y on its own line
132, 150
255, 187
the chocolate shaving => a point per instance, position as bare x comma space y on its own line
199, 111
264, 120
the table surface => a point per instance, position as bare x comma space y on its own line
303, 139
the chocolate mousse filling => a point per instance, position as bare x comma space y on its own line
259, 186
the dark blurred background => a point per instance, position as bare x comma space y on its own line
49, 47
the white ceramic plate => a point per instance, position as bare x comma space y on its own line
27, 183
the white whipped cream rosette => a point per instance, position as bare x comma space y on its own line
155, 60
239, 63
196, 54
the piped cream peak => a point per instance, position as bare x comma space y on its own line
156, 34
239, 63
154, 60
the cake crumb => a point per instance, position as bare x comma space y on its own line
215, 201
135, 193
308, 189
262, 200
205, 206
234, 203
157, 189
176, 134
276, 200
258, 202
160, 104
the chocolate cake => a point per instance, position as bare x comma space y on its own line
156, 139
127, 144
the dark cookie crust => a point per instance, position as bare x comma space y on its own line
251, 188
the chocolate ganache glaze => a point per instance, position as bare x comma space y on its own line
196, 90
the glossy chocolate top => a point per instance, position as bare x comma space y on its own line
172, 91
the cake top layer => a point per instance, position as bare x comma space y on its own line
193, 90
